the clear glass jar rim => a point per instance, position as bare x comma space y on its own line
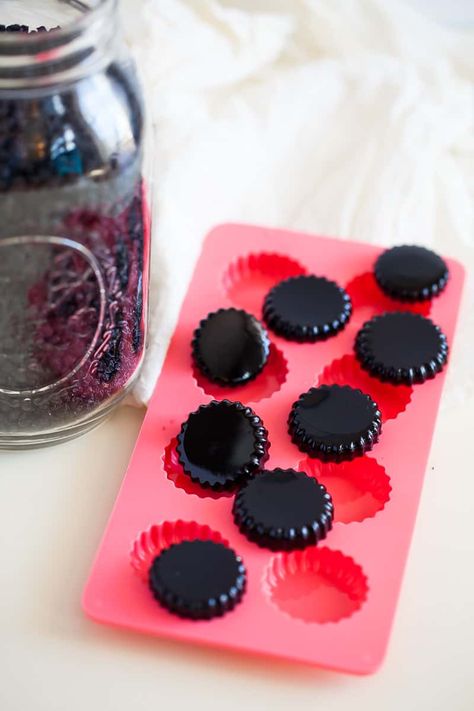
24, 43
72, 50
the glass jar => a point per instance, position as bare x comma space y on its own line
74, 219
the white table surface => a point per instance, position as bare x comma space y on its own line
54, 504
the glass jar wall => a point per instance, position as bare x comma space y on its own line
74, 227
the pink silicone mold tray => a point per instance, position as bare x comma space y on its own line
331, 604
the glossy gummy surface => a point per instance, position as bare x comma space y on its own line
198, 579
307, 308
402, 348
334, 422
222, 444
330, 605
411, 273
283, 510
230, 347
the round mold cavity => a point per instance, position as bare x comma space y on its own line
176, 474
317, 585
391, 399
156, 538
248, 279
368, 299
359, 489
266, 384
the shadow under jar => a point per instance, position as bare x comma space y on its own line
74, 227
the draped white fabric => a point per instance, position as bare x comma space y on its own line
350, 118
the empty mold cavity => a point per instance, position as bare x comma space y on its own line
268, 382
176, 474
154, 540
248, 280
391, 399
359, 489
369, 300
317, 585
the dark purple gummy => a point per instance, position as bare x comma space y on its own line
283, 509
198, 579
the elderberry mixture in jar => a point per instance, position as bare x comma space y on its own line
74, 227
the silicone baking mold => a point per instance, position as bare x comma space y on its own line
332, 604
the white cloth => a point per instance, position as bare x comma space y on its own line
350, 118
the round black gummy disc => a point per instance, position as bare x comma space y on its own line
283, 510
198, 579
222, 444
230, 347
401, 347
411, 273
307, 308
334, 422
